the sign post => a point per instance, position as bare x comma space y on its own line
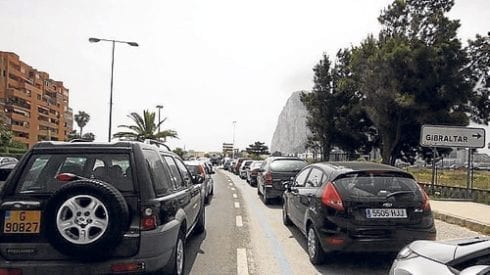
453, 136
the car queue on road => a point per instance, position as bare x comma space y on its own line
363, 207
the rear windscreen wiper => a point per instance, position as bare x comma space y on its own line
399, 193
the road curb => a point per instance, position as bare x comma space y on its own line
461, 221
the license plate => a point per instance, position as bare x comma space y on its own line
17, 221
385, 213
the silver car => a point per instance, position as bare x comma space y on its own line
463, 256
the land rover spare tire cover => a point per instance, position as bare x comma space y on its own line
86, 219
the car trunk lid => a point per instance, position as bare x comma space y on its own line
381, 198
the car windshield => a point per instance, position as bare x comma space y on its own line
42, 170
376, 185
287, 165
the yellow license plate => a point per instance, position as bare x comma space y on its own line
17, 221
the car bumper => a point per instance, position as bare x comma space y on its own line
394, 241
155, 252
272, 192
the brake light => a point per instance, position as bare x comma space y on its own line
425, 199
331, 197
10, 271
268, 178
149, 221
66, 177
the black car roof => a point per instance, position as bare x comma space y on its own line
341, 167
119, 145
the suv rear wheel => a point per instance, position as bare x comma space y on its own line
86, 219
176, 264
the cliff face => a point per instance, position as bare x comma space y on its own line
291, 131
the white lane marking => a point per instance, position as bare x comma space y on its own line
241, 261
233, 188
237, 205
230, 184
239, 222
235, 196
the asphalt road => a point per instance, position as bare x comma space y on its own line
244, 236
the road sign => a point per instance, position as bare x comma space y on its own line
452, 136
227, 146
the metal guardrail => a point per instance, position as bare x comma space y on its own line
437, 191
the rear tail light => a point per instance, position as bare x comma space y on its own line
10, 271
149, 220
331, 197
425, 199
268, 178
127, 267
65, 177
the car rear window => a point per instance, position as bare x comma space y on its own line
39, 175
286, 165
194, 169
376, 185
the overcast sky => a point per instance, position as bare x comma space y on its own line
208, 62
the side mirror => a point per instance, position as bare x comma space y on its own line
287, 185
197, 179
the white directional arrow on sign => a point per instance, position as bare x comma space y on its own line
452, 136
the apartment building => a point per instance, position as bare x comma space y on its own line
32, 105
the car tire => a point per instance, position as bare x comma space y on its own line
177, 261
285, 217
315, 250
201, 222
265, 199
78, 231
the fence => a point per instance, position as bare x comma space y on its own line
437, 191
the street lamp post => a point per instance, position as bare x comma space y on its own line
133, 44
159, 107
233, 153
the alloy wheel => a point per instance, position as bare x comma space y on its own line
82, 219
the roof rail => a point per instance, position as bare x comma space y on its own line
158, 143
80, 140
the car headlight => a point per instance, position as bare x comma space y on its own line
406, 253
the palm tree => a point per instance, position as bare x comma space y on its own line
82, 119
145, 128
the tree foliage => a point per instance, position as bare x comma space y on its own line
82, 118
144, 127
479, 75
412, 74
181, 152
257, 149
6, 137
334, 116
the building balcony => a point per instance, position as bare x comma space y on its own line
21, 93
19, 117
19, 128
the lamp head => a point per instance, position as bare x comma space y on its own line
93, 40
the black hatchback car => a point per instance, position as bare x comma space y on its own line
273, 172
357, 206
98, 208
